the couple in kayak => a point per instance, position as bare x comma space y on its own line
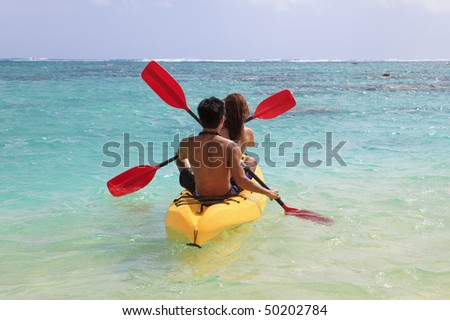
208, 161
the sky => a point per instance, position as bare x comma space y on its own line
225, 29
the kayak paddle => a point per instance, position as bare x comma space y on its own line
166, 87
134, 178
170, 91
273, 106
290, 211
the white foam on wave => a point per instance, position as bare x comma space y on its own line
198, 60
25, 59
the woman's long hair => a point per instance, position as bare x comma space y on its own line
236, 110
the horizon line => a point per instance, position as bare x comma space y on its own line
42, 59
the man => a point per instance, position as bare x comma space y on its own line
208, 161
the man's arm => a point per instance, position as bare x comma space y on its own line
182, 161
241, 179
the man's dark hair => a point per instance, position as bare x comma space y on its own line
210, 112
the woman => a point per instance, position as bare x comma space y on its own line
236, 110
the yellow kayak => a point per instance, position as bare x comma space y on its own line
202, 220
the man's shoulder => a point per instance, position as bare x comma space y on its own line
186, 142
189, 139
228, 143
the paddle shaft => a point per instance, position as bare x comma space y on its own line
262, 183
166, 162
193, 115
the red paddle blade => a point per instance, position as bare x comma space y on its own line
308, 215
131, 180
275, 105
164, 85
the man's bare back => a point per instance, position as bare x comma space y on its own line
210, 157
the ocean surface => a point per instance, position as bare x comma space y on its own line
63, 236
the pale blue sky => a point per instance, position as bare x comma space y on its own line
225, 29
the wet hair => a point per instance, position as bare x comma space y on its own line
237, 110
211, 111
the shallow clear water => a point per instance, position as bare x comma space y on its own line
63, 236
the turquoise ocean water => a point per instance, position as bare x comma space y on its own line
63, 236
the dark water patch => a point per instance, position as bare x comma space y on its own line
413, 87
